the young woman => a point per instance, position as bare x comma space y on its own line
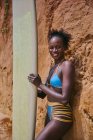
58, 88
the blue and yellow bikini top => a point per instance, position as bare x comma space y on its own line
55, 81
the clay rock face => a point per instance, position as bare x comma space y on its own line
5, 69
75, 17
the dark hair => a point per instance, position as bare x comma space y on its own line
62, 34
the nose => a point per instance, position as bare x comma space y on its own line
54, 50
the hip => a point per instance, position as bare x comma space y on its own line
59, 112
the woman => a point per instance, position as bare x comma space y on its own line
58, 88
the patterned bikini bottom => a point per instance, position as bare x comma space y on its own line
59, 112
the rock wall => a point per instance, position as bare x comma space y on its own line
75, 17
5, 69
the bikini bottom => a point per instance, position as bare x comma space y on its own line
58, 111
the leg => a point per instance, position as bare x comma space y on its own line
54, 130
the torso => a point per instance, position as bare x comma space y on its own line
59, 72
54, 89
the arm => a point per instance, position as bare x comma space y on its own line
66, 88
40, 93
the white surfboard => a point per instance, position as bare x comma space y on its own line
24, 63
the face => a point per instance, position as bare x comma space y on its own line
56, 48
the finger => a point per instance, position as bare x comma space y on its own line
31, 78
32, 74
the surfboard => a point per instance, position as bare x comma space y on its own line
24, 63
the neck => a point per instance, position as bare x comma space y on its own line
59, 60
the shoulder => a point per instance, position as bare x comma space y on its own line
67, 66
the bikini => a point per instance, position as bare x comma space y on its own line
56, 110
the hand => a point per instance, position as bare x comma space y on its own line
39, 90
35, 79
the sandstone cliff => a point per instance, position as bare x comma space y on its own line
75, 17
5, 69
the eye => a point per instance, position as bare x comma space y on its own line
51, 47
58, 47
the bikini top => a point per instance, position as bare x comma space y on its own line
55, 80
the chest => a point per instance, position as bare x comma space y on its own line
56, 79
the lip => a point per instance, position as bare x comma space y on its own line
55, 55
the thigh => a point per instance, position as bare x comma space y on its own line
54, 130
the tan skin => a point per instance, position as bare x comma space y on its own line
56, 129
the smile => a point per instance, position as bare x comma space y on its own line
55, 54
